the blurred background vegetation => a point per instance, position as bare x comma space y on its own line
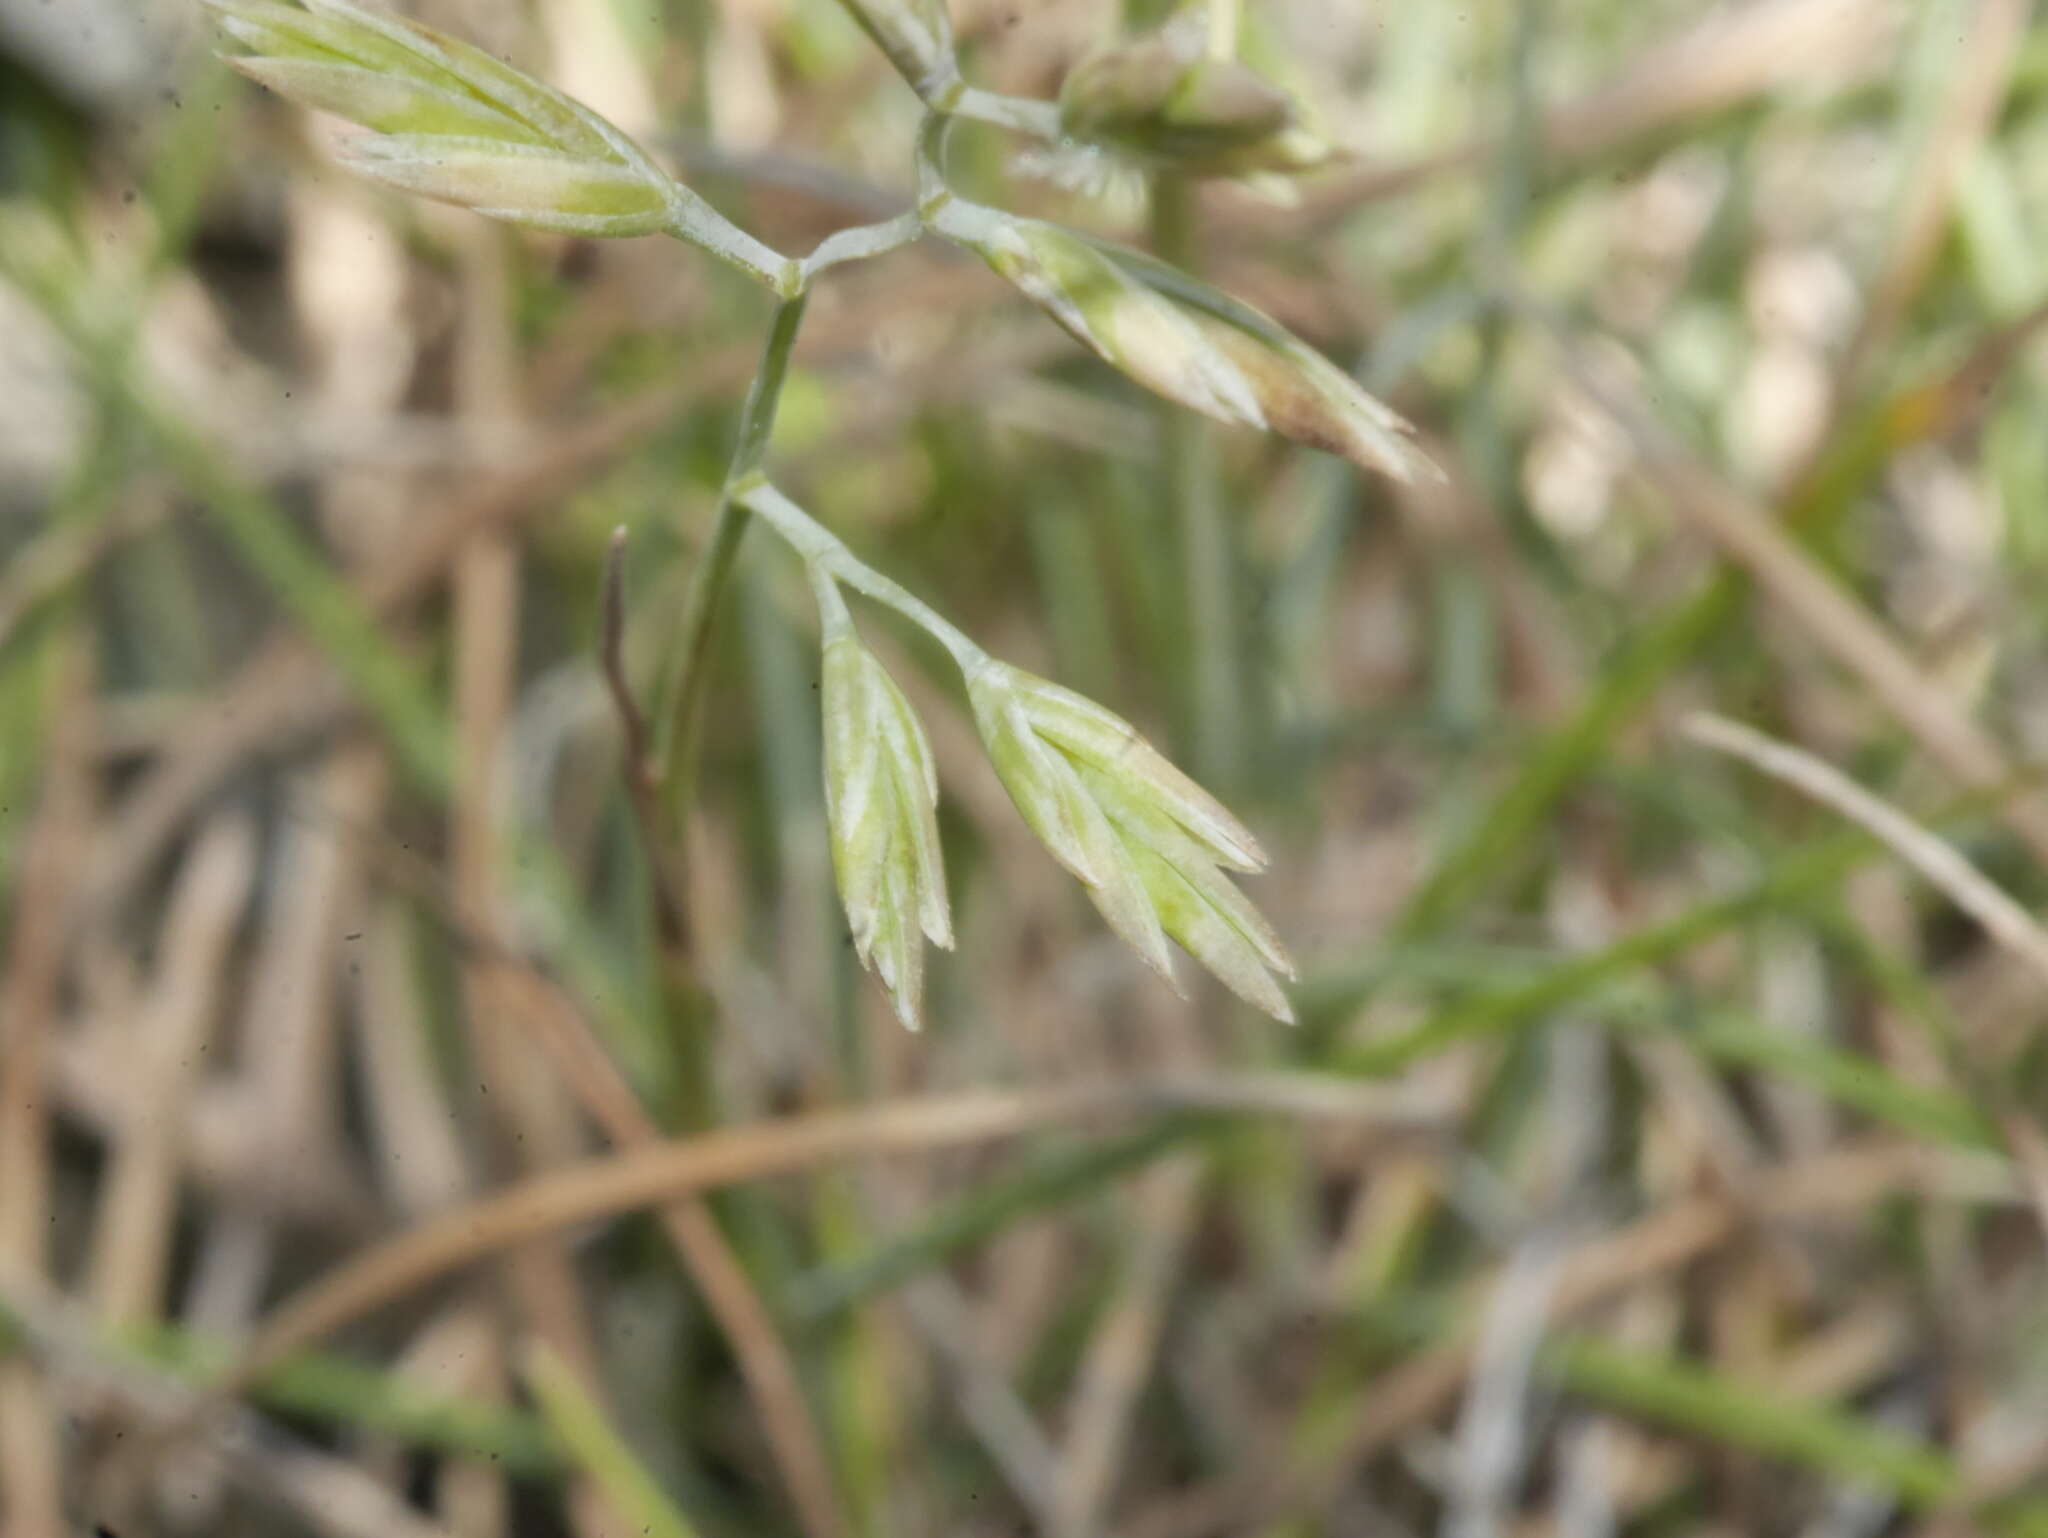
1657, 1153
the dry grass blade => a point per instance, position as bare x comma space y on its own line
1489, 1440
287, 1051
412, 1133
547, 1204
1120, 1358
1934, 858
31, 1474
30, 1453
526, 1110
132, 1250
1001, 1420
2003, 919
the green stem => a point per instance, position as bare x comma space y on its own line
862, 242
758, 420
1816, 1435
684, 718
1223, 29
929, 157
696, 223
1208, 561
1019, 114
684, 1000
1054, 1179
827, 554
312, 1385
579, 1424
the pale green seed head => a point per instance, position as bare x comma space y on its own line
521, 185
1309, 399
1047, 789
1193, 344
389, 103
1147, 842
881, 798
1161, 99
1130, 326
1103, 741
1195, 901
398, 48
450, 122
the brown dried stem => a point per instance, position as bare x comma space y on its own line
546, 1204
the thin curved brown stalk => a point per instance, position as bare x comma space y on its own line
31, 1457
605, 1188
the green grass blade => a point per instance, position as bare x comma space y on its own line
1848, 1077
1817, 1436
579, 1424
1051, 1180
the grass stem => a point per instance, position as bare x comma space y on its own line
1190, 483
714, 569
